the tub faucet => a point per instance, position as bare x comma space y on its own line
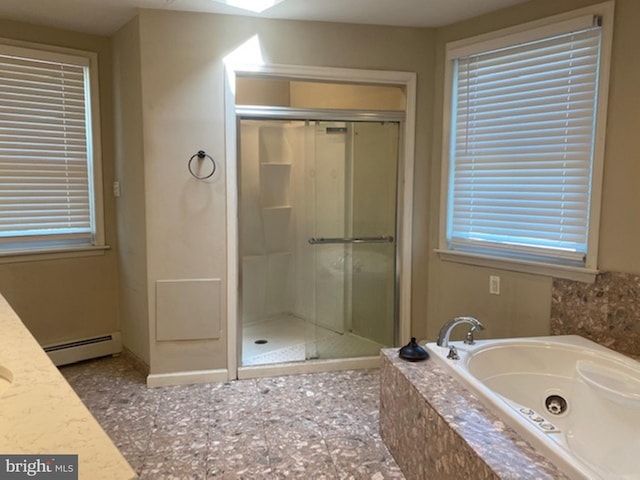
445, 331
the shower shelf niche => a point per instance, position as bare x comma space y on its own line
269, 156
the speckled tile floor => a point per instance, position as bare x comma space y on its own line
313, 426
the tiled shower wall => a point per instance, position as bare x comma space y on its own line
606, 311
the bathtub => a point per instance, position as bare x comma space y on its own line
575, 401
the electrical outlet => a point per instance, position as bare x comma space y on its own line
116, 188
494, 285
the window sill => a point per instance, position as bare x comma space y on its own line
546, 269
51, 253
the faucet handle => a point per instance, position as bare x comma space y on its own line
453, 353
469, 340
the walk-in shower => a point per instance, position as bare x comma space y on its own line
317, 208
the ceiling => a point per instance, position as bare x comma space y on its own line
104, 17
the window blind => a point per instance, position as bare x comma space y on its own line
45, 161
522, 148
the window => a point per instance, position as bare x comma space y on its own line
49, 162
523, 151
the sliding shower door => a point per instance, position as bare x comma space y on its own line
317, 239
353, 181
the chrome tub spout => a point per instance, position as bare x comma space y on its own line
445, 331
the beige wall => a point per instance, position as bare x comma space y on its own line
355, 97
129, 171
182, 108
620, 224
67, 299
456, 289
283, 93
262, 91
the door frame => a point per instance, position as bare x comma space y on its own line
407, 80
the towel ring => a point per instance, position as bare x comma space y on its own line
201, 155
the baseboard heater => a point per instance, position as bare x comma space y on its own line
84, 349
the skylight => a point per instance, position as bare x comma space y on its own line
257, 6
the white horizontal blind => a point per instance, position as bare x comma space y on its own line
522, 148
45, 188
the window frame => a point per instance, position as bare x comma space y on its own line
512, 36
17, 252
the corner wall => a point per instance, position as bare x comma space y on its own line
129, 172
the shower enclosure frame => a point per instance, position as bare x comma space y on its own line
406, 80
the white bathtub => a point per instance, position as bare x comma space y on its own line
595, 435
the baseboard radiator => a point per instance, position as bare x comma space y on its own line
84, 349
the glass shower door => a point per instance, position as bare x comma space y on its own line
352, 189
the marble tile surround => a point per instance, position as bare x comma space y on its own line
437, 430
313, 426
607, 311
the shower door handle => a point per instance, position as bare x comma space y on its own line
324, 241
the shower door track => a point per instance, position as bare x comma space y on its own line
257, 112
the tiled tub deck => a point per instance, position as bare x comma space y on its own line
437, 430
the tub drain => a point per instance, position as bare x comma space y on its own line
556, 405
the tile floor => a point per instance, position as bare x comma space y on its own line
312, 426
291, 339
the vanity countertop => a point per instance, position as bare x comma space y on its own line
40, 413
